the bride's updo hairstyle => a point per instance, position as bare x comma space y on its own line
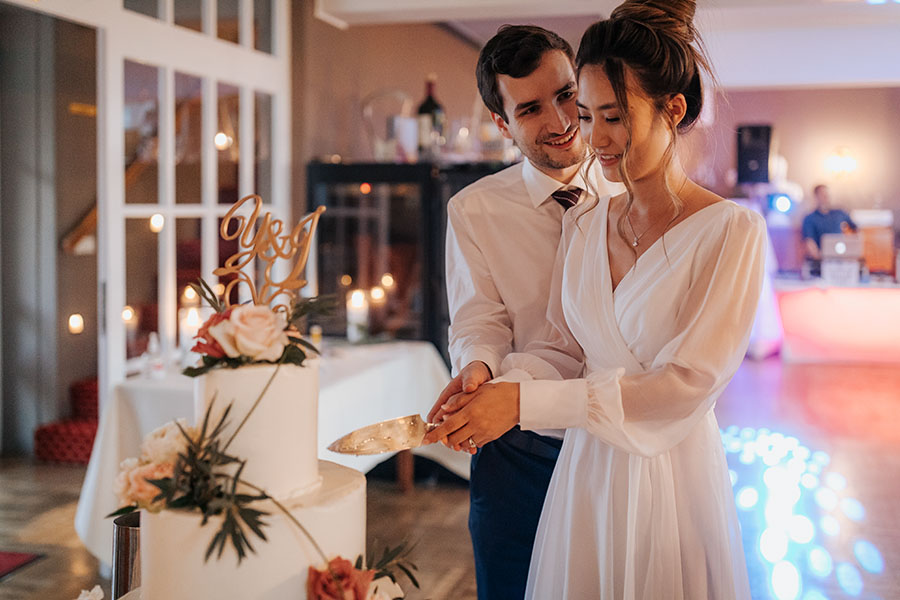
657, 42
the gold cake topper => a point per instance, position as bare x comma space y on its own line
268, 242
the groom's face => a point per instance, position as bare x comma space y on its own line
543, 118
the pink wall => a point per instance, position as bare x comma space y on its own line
808, 125
334, 70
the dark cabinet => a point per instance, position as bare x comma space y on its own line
383, 233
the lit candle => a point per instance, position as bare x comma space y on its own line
189, 322
189, 297
377, 295
357, 316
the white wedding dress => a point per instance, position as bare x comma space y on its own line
640, 506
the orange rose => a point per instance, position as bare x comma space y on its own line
206, 343
352, 584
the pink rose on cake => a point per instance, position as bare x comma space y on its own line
351, 584
133, 486
159, 452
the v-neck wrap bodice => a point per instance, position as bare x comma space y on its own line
633, 375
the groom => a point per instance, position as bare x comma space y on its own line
502, 236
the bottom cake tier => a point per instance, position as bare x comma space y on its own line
173, 545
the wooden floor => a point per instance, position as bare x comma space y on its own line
849, 414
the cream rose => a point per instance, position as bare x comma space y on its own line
259, 332
223, 333
122, 484
162, 445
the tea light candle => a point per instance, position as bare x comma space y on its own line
357, 316
189, 322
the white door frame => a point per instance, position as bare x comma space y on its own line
126, 35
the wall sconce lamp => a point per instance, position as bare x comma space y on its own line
76, 324
840, 162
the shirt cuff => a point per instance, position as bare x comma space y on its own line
485, 355
553, 404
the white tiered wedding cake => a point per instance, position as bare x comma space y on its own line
278, 442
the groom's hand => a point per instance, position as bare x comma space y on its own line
466, 381
488, 413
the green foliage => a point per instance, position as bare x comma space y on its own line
393, 559
206, 293
199, 483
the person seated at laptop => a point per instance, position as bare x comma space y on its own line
821, 221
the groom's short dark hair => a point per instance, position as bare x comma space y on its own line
516, 51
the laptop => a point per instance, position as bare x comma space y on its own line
844, 246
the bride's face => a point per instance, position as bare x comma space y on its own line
603, 128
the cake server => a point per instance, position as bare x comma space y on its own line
387, 436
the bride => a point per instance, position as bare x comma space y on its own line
649, 318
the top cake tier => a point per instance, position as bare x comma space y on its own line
278, 440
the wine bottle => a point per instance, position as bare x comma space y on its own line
431, 119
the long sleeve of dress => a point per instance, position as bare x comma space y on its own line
480, 325
647, 412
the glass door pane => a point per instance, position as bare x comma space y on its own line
188, 270
141, 124
145, 7
228, 248
229, 22
227, 142
188, 131
262, 25
263, 147
141, 311
189, 13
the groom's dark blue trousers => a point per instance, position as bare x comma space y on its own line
509, 479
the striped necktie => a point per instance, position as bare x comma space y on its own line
567, 198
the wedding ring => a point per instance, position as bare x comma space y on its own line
472, 444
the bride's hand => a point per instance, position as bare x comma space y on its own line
468, 380
489, 412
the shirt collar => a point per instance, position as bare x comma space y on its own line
540, 185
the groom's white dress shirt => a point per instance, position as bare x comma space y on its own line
502, 237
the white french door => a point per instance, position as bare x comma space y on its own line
193, 109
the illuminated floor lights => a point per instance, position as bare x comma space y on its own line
820, 563
836, 481
853, 509
849, 579
785, 581
830, 526
792, 507
747, 498
801, 529
868, 556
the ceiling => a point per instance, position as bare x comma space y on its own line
575, 14
753, 43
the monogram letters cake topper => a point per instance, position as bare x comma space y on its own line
266, 241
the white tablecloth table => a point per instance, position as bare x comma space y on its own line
358, 385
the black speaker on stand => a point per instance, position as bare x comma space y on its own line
753, 142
